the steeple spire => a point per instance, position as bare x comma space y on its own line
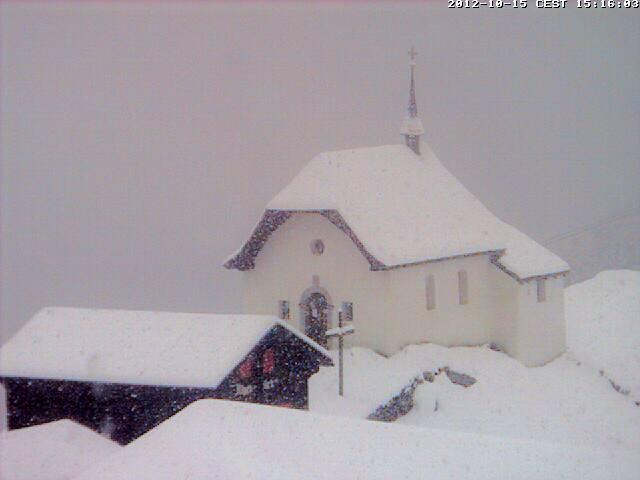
412, 126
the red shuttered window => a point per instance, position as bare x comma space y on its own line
246, 369
268, 361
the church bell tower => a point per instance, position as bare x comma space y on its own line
412, 126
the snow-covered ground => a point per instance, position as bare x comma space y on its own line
566, 401
213, 439
53, 451
603, 324
561, 402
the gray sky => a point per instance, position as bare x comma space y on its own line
140, 142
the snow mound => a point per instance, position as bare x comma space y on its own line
561, 402
370, 381
213, 439
52, 451
603, 326
394, 201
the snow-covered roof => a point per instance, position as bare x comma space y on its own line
405, 209
52, 451
135, 347
213, 439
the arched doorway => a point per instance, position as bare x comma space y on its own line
316, 311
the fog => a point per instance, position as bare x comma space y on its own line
140, 142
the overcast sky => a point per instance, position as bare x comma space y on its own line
140, 142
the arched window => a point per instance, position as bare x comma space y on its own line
430, 291
317, 246
463, 287
283, 310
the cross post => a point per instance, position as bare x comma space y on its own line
340, 332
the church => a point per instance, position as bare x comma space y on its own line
391, 238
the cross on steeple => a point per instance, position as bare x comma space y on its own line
413, 53
412, 126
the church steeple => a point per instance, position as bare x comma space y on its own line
412, 126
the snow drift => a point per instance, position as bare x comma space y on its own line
214, 439
53, 451
603, 326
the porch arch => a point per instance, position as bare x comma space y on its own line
316, 313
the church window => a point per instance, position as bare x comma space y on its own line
317, 247
542, 289
430, 290
283, 310
463, 287
347, 311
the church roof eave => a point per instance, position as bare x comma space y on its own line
272, 219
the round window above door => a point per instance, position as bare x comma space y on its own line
317, 246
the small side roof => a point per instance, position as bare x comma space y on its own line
402, 209
135, 347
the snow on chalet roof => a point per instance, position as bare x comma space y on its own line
135, 347
406, 209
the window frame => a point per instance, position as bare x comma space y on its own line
284, 310
430, 292
463, 287
541, 289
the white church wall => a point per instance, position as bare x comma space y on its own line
390, 307
532, 332
285, 269
504, 298
540, 325
449, 323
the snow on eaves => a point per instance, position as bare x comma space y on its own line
409, 209
135, 347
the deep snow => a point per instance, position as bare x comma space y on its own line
561, 402
213, 439
603, 326
53, 451
566, 401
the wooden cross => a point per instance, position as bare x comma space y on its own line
413, 53
340, 332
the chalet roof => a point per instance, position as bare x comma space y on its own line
135, 347
403, 209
